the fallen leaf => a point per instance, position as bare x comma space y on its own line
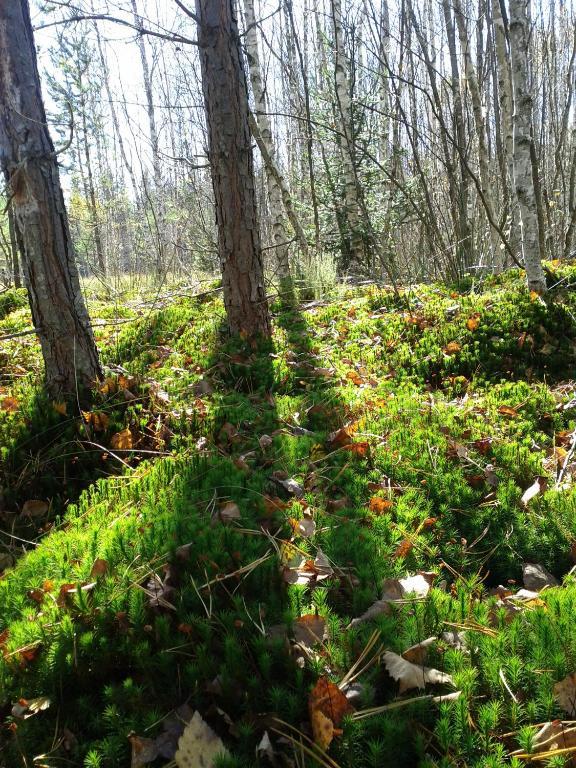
538, 486
322, 729
473, 322
403, 549
25, 708
355, 378
416, 654
327, 706
565, 694
309, 630
412, 675
265, 441
556, 735
34, 508
359, 449
395, 590
59, 407
144, 751
229, 511
339, 438
290, 485
97, 420
452, 348
506, 410
99, 568
199, 746
122, 441
10, 405
379, 506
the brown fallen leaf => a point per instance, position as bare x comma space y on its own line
506, 410
122, 441
10, 405
416, 654
309, 630
228, 512
565, 694
99, 568
473, 322
34, 508
144, 751
412, 675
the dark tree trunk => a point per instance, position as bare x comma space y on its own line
30, 166
15, 249
230, 152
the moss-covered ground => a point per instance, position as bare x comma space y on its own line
161, 547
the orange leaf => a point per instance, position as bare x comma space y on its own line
10, 404
327, 698
473, 321
354, 377
403, 549
340, 438
358, 449
452, 348
379, 506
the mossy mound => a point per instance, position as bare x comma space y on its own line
255, 488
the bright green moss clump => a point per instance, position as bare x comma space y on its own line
385, 435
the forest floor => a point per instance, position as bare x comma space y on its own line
351, 547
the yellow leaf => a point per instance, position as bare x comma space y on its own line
122, 441
96, 419
59, 408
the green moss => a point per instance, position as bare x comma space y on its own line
455, 404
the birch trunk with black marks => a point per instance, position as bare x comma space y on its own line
523, 140
355, 255
264, 128
504, 76
30, 166
232, 169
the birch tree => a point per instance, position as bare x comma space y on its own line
523, 150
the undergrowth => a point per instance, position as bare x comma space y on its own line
159, 570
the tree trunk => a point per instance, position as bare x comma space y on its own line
30, 166
479, 123
14, 247
264, 127
523, 140
346, 129
232, 170
158, 198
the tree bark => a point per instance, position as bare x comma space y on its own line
523, 141
30, 166
275, 192
232, 169
346, 129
